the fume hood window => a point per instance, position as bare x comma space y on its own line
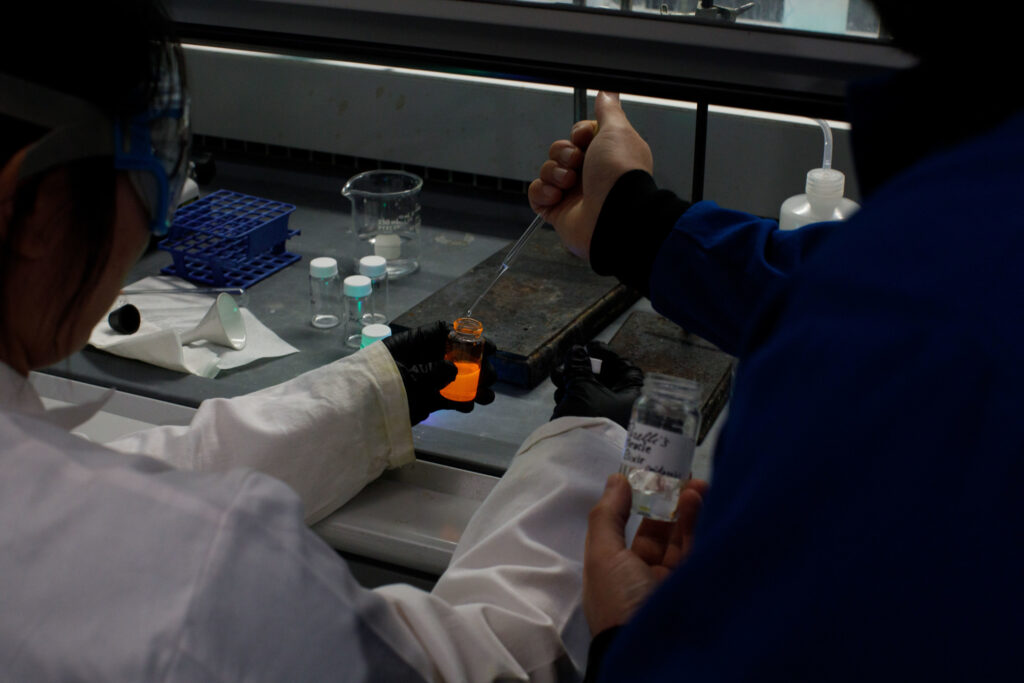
853, 17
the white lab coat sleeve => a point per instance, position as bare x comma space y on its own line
509, 604
326, 433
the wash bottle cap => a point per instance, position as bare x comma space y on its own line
373, 266
825, 182
358, 286
374, 332
323, 266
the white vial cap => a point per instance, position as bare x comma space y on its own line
825, 182
373, 266
387, 245
374, 332
323, 266
358, 286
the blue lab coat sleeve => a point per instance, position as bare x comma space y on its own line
704, 267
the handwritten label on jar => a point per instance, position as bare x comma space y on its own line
660, 451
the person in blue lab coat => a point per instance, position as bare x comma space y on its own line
865, 518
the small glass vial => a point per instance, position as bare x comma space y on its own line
376, 268
374, 332
324, 292
465, 348
358, 292
660, 444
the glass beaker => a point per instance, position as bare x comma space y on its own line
386, 217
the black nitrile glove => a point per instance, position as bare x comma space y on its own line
419, 355
610, 393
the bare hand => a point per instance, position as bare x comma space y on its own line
575, 180
617, 579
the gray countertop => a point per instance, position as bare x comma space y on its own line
460, 228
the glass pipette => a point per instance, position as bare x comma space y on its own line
505, 262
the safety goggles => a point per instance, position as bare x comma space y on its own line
153, 146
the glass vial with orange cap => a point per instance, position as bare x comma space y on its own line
465, 348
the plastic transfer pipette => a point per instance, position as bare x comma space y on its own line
505, 262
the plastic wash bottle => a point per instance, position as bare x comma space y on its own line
823, 198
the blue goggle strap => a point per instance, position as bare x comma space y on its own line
137, 155
81, 130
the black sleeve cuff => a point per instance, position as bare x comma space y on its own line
635, 219
595, 655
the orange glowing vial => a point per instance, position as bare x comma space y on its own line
465, 348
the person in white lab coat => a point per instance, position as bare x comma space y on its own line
172, 555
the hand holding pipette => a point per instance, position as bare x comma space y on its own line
574, 182
569, 196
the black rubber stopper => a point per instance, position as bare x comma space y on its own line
205, 167
125, 320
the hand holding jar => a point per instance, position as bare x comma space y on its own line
420, 355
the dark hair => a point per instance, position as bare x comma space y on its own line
104, 53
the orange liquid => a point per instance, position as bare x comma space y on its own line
463, 388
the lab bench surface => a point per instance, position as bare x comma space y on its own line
460, 229
281, 301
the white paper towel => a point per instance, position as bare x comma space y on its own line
165, 316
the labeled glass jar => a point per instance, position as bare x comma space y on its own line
358, 292
324, 292
376, 268
659, 448
465, 348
